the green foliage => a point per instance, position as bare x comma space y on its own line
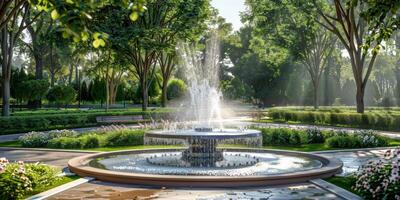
360, 139
176, 89
98, 91
281, 136
40, 139
61, 94
124, 138
375, 120
32, 90
113, 138
17, 179
314, 135
380, 179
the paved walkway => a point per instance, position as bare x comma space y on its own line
59, 159
102, 190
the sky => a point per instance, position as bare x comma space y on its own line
230, 10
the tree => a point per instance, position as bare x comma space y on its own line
157, 30
315, 57
110, 67
33, 90
14, 18
176, 89
357, 35
61, 95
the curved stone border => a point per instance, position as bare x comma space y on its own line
80, 166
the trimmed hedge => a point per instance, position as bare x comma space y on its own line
17, 124
120, 137
370, 120
333, 139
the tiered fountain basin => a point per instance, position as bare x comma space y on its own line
202, 164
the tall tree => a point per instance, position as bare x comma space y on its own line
361, 38
156, 30
315, 57
14, 18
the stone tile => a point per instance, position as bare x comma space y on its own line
101, 190
59, 159
353, 160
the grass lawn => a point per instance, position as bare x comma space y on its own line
63, 180
304, 148
344, 182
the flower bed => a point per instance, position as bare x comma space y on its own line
332, 139
110, 136
17, 179
381, 179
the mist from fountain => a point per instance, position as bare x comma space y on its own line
202, 74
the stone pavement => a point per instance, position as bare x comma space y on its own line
103, 190
56, 158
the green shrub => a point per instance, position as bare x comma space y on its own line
280, 136
125, 138
65, 143
61, 94
16, 179
377, 120
358, 139
34, 89
176, 88
314, 135
34, 139
380, 179
40, 139
91, 141
115, 137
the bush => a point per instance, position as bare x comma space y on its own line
125, 138
34, 89
34, 139
61, 94
116, 137
280, 136
91, 141
358, 139
65, 143
314, 135
176, 88
16, 179
377, 120
43, 121
40, 139
380, 180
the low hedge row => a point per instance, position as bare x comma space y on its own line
383, 121
332, 139
17, 124
70, 140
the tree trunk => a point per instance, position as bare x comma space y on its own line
52, 79
145, 96
360, 99
39, 67
315, 95
164, 93
6, 97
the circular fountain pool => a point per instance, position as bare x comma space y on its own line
273, 167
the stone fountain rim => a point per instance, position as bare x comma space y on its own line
79, 165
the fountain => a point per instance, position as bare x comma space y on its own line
202, 162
